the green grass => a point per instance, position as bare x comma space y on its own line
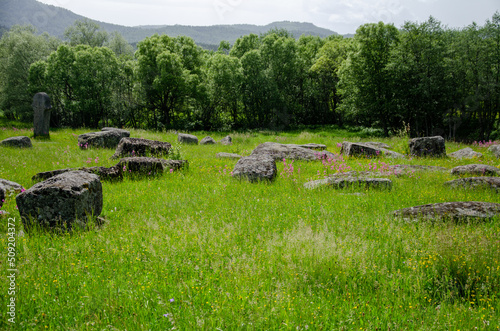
197, 249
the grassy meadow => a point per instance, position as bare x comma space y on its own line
198, 249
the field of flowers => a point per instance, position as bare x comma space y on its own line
198, 249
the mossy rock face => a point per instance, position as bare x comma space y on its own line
17, 142
102, 139
476, 169
465, 153
185, 138
208, 141
61, 201
495, 150
428, 146
351, 182
455, 211
256, 168
290, 151
476, 182
138, 147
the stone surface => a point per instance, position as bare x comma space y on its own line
102, 139
137, 147
364, 150
428, 146
114, 173
41, 114
187, 138
476, 169
495, 150
348, 181
11, 187
61, 201
17, 142
256, 168
376, 144
149, 166
294, 152
476, 182
457, 211
116, 129
411, 167
317, 147
465, 153
227, 140
142, 166
223, 155
207, 141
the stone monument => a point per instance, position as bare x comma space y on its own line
41, 118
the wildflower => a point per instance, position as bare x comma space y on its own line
172, 300
171, 170
165, 315
22, 190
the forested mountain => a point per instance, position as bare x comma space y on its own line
56, 20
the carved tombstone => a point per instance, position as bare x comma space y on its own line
41, 119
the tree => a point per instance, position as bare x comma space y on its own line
119, 45
325, 98
365, 83
168, 71
85, 32
418, 66
19, 48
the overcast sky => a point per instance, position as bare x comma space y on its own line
342, 16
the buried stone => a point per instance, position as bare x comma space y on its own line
351, 182
105, 174
149, 166
476, 169
17, 142
476, 182
455, 211
61, 201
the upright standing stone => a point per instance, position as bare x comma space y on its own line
428, 146
41, 118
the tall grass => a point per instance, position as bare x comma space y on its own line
197, 249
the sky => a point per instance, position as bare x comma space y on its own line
342, 16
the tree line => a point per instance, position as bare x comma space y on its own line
423, 77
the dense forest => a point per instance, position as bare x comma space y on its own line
423, 77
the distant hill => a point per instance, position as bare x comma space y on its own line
54, 20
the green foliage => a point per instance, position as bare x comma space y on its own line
86, 32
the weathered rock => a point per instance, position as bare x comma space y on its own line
428, 146
476, 182
465, 153
17, 142
187, 138
61, 201
223, 155
361, 149
495, 150
403, 168
11, 187
317, 147
102, 139
41, 116
142, 166
256, 168
456, 211
116, 129
149, 166
295, 152
376, 144
227, 140
476, 169
136, 147
207, 141
114, 173
346, 182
